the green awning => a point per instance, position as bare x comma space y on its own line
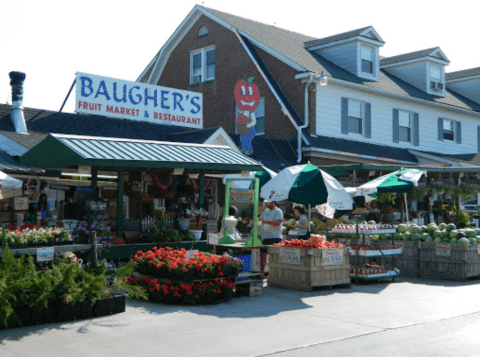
61, 151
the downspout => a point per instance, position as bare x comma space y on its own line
300, 128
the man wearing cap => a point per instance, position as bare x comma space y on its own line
271, 220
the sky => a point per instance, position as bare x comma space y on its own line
50, 40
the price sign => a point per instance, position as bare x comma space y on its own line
443, 250
20, 203
191, 253
213, 238
45, 254
332, 256
290, 255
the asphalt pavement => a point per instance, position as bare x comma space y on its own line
408, 317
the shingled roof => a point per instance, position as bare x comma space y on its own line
409, 56
467, 73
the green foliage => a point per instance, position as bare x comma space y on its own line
386, 197
464, 218
132, 291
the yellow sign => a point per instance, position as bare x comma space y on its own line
241, 196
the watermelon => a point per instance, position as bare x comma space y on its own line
424, 236
438, 240
463, 241
371, 222
461, 230
416, 236
424, 229
432, 229
398, 236
453, 234
412, 228
402, 228
453, 240
461, 235
472, 240
477, 231
442, 226
429, 239
437, 234
470, 233
477, 238
431, 224
443, 234
407, 236
451, 227
446, 240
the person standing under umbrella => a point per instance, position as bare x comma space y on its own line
271, 220
302, 224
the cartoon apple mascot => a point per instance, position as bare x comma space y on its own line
247, 97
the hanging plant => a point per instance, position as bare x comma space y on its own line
432, 192
447, 190
440, 190
457, 191
418, 193
386, 197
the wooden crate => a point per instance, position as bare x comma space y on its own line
408, 266
463, 262
304, 269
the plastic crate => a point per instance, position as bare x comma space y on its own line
246, 259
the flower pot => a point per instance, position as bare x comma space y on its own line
196, 234
119, 304
184, 223
100, 308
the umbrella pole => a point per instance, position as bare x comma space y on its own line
406, 207
309, 215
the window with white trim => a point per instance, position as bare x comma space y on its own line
404, 126
448, 129
355, 116
202, 65
367, 57
259, 116
435, 73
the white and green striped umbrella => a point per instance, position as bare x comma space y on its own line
309, 185
264, 176
400, 181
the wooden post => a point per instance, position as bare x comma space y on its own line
120, 204
93, 251
201, 193
94, 178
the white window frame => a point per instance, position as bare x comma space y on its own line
454, 125
410, 126
203, 66
257, 133
372, 60
362, 116
439, 68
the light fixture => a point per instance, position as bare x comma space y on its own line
245, 173
323, 80
178, 171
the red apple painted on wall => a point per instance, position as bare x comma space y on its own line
247, 95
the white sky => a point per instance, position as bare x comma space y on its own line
50, 40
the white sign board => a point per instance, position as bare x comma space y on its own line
191, 253
332, 256
290, 255
443, 250
213, 238
45, 254
138, 101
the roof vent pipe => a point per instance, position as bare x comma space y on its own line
18, 119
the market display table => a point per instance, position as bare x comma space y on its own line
55, 248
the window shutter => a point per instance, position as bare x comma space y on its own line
396, 130
416, 131
368, 120
478, 138
458, 132
440, 129
344, 124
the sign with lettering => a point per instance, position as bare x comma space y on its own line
332, 256
20, 203
45, 254
213, 238
191, 253
290, 255
138, 101
241, 196
443, 250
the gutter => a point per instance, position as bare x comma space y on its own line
305, 124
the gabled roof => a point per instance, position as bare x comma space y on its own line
366, 32
435, 53
464, 74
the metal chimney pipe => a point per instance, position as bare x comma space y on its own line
18, 119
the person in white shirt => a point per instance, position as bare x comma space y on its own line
271, 220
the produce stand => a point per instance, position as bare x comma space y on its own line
377, 251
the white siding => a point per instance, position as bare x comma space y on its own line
415, 74
470, 89
329, 121
344, 56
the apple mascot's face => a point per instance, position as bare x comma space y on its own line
247, 95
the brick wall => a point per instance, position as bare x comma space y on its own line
232, 64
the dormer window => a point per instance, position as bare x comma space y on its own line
367, 59
436, 80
